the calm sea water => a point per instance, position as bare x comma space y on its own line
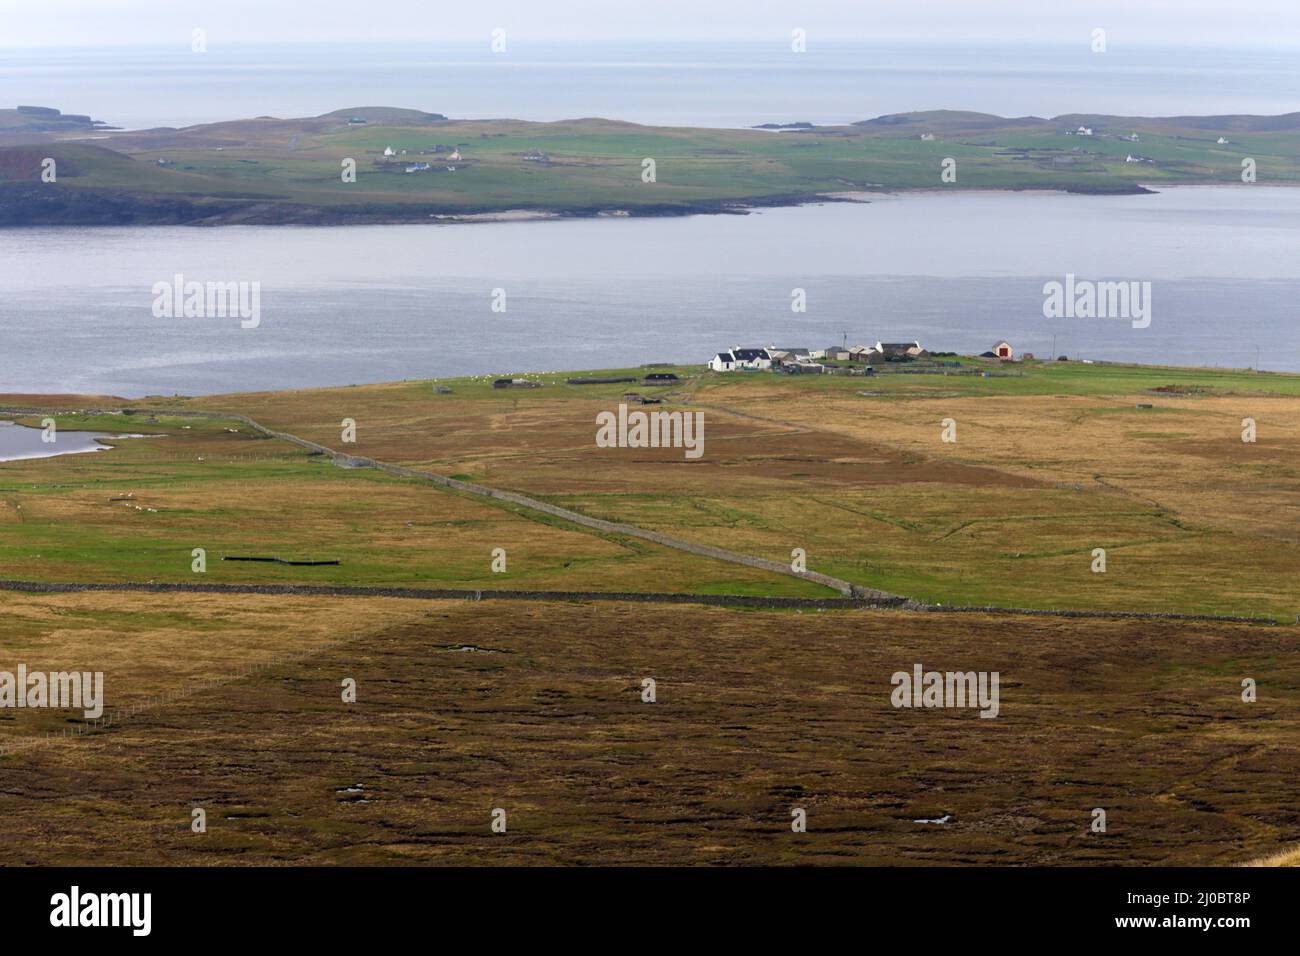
374, 303
18, 442
687, 84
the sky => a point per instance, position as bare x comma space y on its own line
85, 23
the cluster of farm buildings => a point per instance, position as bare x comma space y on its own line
836, 359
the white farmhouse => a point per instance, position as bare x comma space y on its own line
752, 358
739, 358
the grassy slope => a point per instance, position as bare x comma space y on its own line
596, 164
234, 494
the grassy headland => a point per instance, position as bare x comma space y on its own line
289, 170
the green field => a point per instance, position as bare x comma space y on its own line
137, 512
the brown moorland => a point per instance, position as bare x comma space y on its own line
536, 708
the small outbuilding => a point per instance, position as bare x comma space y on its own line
515, 383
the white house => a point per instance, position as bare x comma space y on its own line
752, 358
455, 155
1003, 350
1222, 141
1083, 131
723, 362
388, 151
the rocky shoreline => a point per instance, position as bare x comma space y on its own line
35, 204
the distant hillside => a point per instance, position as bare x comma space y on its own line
954, 121
949, 120
386, 115
46, 119
385, 164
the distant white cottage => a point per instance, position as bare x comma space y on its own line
455, 155
388, 151
1083, 131
741, 358
1222, 141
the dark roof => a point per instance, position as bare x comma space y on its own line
746, 355
898, 345
661, 376
725, 356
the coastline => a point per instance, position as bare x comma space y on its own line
41, 207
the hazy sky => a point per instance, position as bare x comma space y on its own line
29, 23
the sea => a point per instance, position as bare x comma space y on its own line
354, 304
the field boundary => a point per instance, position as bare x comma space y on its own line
645, 597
